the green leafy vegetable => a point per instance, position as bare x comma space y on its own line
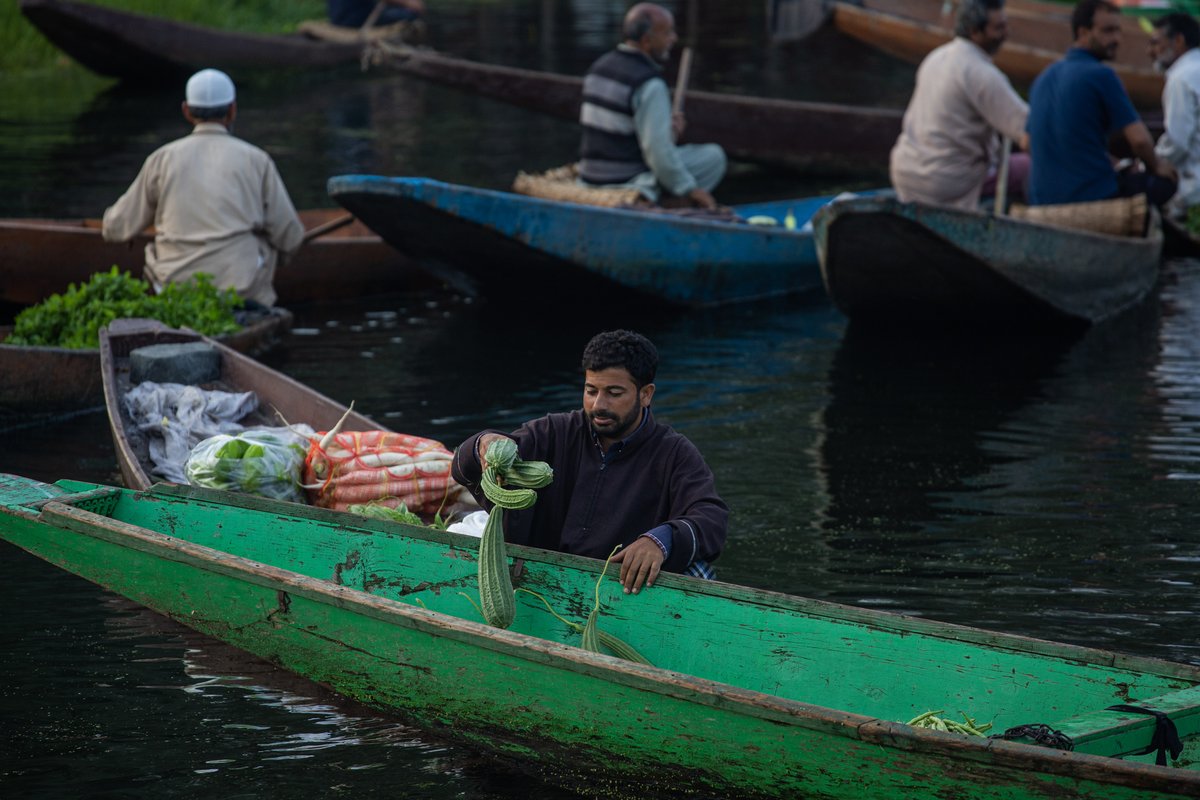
1193, 220
265, 462
73, 319
375, 511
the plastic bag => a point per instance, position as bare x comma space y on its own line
263, 461
175, 418
472, 524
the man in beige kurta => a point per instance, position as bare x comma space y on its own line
948, 140
217, 203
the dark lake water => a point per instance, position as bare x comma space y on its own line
1041, 487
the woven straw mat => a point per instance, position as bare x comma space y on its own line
1120, 216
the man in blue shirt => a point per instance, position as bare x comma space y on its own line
1075, 105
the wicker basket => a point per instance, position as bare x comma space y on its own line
1120, 216
562, 184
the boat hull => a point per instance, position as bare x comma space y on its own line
815, 137
44, 256
910, 31
375, 611
279, 397
41, 382
481, 240
148, 49
919, 265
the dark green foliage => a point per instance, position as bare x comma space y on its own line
1193, 220
74, 318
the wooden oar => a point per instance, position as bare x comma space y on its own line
326, 227
681, 80
1002, 177
374, 15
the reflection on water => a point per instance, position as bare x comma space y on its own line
947, 390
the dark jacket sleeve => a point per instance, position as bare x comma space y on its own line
466, 469
699, 517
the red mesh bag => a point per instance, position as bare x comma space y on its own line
381, 467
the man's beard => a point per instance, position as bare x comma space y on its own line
623, 426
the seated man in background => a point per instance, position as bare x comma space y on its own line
355, 13
1175, 50
217, 203
948, 143
1075, 105
620, 478
629, 131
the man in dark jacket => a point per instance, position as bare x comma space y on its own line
620, 478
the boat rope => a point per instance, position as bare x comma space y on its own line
1041, 734
1166, 736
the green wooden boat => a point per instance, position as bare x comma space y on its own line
753, 694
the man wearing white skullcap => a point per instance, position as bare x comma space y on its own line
217, 203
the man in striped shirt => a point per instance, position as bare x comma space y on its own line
629, 130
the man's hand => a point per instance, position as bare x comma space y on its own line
700, 198
481, 447
678, 125
640, 564
1166, 169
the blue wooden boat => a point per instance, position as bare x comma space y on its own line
481, 240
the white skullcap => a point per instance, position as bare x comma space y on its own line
209, 88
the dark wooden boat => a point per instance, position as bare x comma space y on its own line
147, 49
41, 382
1037, 38
749, 694
791, 133
43, 256
919, 266
278, 395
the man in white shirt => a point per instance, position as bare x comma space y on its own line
1174, 49
948, 140
217, 203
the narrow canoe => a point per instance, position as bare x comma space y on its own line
147, 49
480, 240
43, 256
41, 382
883, 260
278, 395
825, 137
909, 30
752, 694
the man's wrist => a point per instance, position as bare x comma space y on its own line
661, 536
